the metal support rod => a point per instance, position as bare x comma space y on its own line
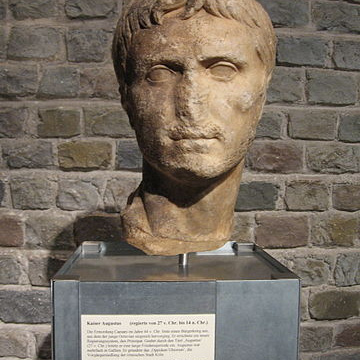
183, 260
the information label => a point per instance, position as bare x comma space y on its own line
165, 337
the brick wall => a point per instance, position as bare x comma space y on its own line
68, 160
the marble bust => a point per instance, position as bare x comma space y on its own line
193, 76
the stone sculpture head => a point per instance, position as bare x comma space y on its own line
193, 76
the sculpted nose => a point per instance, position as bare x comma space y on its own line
191, 99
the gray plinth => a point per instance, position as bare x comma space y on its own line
255, 299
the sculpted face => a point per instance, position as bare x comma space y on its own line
196, 91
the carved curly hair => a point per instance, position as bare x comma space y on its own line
143, 14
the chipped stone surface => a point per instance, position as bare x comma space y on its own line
118, 190
49, 230
257, 196
12, 122
305, 195
15, 343
78, 195
335, 229
28, 154
347, 269
27, 43
334, 304
107, 121
33, 193
277, 157
10, 270
89, 9
11, 230
31, 307
34, 9
281, 231
333, 158
18, 81
59, 122
315, 338
346, 197
85, 155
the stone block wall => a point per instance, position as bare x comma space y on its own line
69, 159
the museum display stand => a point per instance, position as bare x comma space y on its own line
112, 301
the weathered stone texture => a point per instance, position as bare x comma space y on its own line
59, 122
108, 121
87, 9
59, 82
304, 304
327, 87
243, 228
30, 154
32, 307
12, 122
257, 196
33, 193
270, 125
49, 230
349, 127
315, 338
3, 41
336, 16
281, 231
337, 355
17, 81
333, 158
305, 195
347, 269
275, 157
10, 270
312, 124
334, 304
2, 9
41, 269
99, 83
348, 335
287, 12
128, 155
118, 190
297, 50
87, 45
97, 228
311, 270
346, 54
346, 197
78, 195
85, 155
335, 229
286, 86
11, 230
34, 9
2, 192
15, 343
34, 43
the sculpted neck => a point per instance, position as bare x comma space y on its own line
168, 217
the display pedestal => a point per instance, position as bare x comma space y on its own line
112, 301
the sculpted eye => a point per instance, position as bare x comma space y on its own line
159, 74
223, 70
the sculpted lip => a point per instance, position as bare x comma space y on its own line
212, 132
